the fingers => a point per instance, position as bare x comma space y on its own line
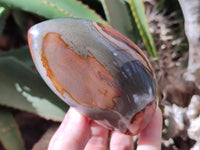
73, 133
77, 132
99, 137
120, 141
150, 137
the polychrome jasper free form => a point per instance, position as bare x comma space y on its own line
97, 70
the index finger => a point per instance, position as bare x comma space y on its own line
73, 133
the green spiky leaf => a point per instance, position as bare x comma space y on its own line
23, 89
138, 11
22, 54
51, 9
119, 17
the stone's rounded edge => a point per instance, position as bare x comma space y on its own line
35, 36
116, 38
142, 118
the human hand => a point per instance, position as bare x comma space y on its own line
77, 132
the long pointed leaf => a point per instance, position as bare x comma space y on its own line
138, 11
54, 8
22, 54
10, 136
119, 17
21, 88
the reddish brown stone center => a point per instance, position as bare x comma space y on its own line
86, 81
